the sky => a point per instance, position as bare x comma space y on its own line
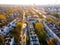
30, 2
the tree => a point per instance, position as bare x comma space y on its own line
58, 22
11, 9
17, 8
39, 26
1, 39
39, 29
52, 41
3, 17
16, 32
56, 15
51, 19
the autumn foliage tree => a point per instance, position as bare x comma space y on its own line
56, 15
52, 41
51, 19
58, 23
2, 19
1, 39
16, 32
40, 32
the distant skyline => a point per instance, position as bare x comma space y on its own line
30, 2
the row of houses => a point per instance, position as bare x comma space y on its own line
8, 39
50, 33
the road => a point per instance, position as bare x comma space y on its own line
33, 37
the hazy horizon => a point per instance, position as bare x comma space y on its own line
30, 2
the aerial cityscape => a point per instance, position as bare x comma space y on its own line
29, 25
